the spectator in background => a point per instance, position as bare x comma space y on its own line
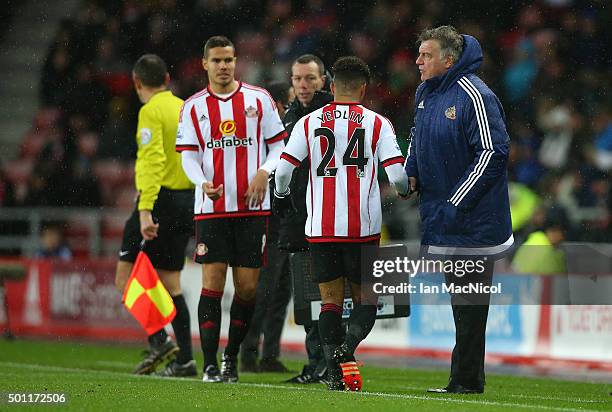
540, 254
52, 243
7, 190
557, 124
603, 139
280, 93
85, 190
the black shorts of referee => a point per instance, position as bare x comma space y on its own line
173, 211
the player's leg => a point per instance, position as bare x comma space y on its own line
241, 313
327, 271
243, 305
212, 248
330, 327
362, 319
363, 315
249, 242
161, 346
360, 323
209, 317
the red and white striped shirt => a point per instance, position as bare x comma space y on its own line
230, 135
344, 142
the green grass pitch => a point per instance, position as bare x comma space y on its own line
97, 377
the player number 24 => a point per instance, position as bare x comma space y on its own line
357, 140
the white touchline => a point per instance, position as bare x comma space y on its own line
269, 385
423, 397
546, 398
115, 364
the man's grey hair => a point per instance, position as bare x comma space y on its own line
451, 42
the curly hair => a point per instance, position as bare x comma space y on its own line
451, 42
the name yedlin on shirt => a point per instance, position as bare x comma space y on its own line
337, 114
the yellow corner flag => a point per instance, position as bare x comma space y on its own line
146, 297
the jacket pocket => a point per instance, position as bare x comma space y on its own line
450, 219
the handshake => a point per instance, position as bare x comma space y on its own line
282, 204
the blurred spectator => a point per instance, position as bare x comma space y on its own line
540, 254
603, 139
280, 93
558, 134
52, 243
523, 204
521, 73
84, 186
7, 191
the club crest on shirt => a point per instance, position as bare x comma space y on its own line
227, 127
251, 112
451, 113
201, 249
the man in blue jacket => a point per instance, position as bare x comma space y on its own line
457, 162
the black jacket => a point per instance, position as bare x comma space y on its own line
291, 231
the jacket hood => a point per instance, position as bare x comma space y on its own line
468, 63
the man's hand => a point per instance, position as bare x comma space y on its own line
148, 228
414, 184
282, 205
412, 188
257, 189
212, 192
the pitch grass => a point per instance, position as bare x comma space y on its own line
97, 377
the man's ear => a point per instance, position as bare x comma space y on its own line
204, 64
362, 91
137, 83
167, 79
332, 87
449, 61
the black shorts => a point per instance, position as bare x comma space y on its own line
237, 241
333, 260
173, 211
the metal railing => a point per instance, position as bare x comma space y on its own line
92, 221
33, 219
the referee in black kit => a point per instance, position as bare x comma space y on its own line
164, 212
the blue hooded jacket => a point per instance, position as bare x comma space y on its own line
458, 153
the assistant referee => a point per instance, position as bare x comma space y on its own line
163, 214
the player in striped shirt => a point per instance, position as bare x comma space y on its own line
345, 142
231, 137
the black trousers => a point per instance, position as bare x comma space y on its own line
470, 312
273, 295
